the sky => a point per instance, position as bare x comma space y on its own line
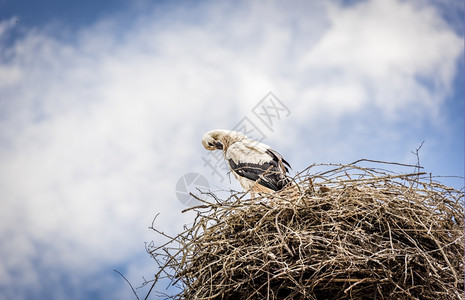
103, 105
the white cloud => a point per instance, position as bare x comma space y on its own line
392, 50
96, 127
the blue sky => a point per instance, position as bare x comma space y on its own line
103, 104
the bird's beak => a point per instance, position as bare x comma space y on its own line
214, 145
219, 145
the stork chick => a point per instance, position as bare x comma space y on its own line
256, 166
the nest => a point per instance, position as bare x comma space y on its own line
344, 232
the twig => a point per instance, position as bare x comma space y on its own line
134, 291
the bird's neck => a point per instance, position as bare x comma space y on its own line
229, 140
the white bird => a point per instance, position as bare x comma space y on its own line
256, 166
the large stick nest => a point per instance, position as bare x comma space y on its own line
343, 233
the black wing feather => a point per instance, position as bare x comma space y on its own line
268, 174
278, 158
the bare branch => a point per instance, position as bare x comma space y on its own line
134, 291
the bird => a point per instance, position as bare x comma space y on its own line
257, 167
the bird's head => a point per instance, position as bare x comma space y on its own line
220, 139
211, 142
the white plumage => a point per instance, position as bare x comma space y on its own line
256, 166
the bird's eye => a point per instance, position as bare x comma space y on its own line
211, 144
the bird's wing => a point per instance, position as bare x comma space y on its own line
282, 163
255, 161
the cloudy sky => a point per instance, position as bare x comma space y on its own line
103, 104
